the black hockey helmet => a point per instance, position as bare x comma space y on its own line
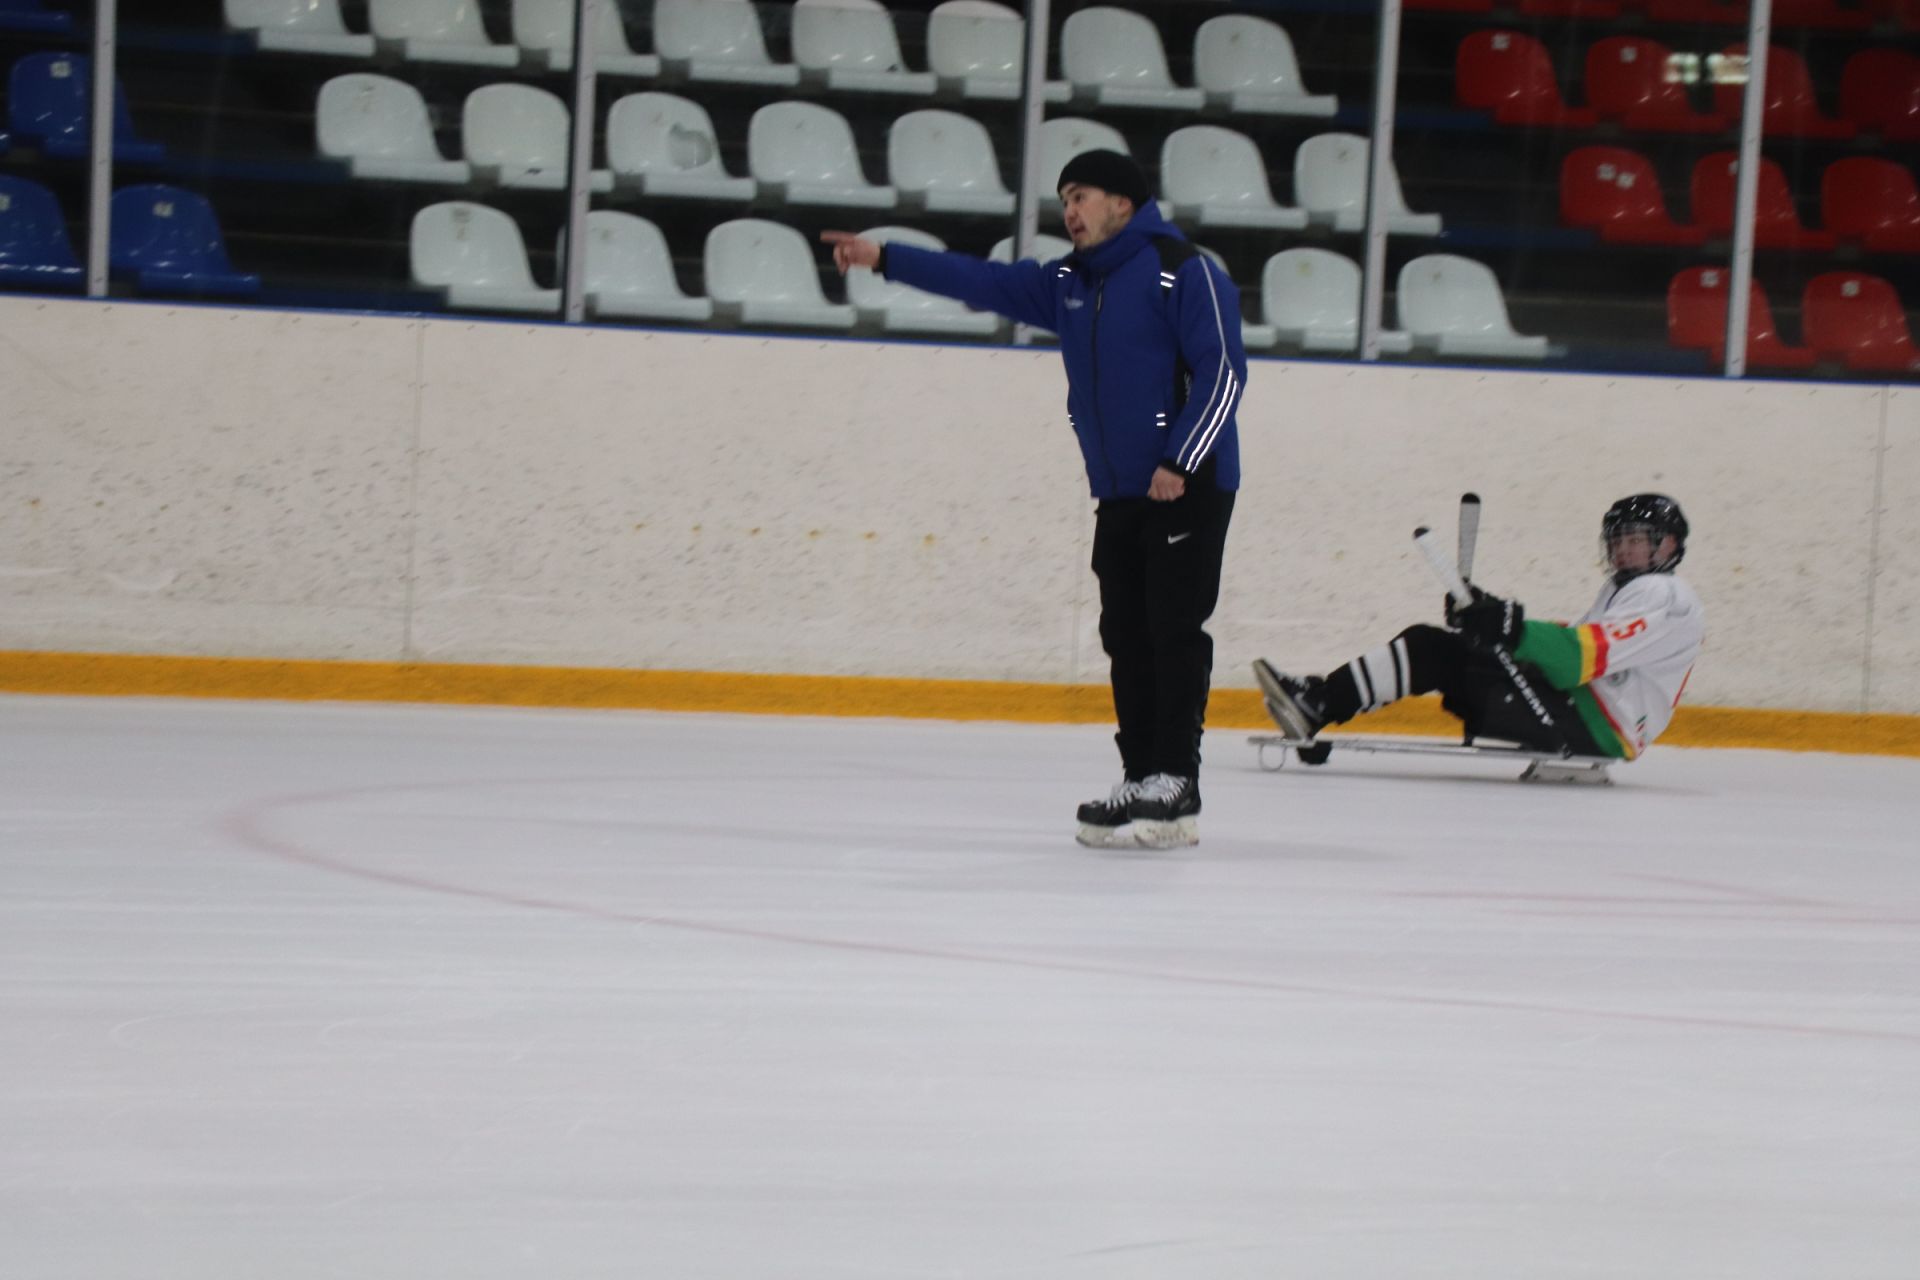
1653, 514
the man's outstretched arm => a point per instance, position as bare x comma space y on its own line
1021, 291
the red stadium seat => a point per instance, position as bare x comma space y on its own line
1776, 223
1627, 81
1880, 92
1901, 13
1697, 320
1828, 15
1873, 201
1616, 192
1696, 12
1570, 8
1858, 318
1510, 75
1792, 109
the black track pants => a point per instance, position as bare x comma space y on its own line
1159, 569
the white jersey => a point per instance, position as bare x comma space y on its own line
1638, 645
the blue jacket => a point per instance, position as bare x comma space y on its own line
1154, 362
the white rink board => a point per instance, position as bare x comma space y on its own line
319, 486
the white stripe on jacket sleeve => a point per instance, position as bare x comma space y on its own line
1220, 401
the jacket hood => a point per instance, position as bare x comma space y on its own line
1139, 233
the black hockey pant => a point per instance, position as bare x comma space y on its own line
1472, 685
1159, 569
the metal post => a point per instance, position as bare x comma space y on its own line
1033, 110
573, 284
1373, 284
100, 144
1753, 110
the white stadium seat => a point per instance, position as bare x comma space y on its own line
979, 47
899, 308
852, 45
1246, 65
629, 273
1044, 248
379, 126
664, 145
808, 150
545, 28
764, 272
946, 162
476, 255
717, 40
1116, 57
1311, 298
1455, 305
1216, 176
517, 135
298, 26
1063, 139
1330, 182
438, 31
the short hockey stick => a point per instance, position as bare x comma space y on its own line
1449, 575
1469, 534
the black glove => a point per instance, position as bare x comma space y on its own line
1490, 620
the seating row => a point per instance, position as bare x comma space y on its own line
1863, 199
166, 236
665, 145
1817, 14
765, 273
1633, 81
1848, 316
762, 272
1108, 55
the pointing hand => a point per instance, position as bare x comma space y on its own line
849, 250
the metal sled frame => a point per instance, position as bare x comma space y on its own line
1542, 766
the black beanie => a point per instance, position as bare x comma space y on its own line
1112, 172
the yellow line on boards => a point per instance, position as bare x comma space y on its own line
133, 675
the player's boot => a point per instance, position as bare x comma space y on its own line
1166, 813
1104, 824
1293, 703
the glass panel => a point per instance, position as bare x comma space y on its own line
1585, 153
298, 141
43, 146
764, 125
1563, 232
1243, 118
1838, 226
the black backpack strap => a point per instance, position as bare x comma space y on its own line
1174, 254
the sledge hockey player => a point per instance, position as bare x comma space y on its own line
1609, 681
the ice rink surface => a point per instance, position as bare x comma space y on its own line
399, 993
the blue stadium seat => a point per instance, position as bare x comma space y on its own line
50, 101
32, 15
171, 238
34, 250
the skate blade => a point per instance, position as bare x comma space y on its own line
1120, 837
1177, 834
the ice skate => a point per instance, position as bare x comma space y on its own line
1291, 702
1105, 824
1166, 812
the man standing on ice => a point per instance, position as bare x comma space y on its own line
1150, 333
